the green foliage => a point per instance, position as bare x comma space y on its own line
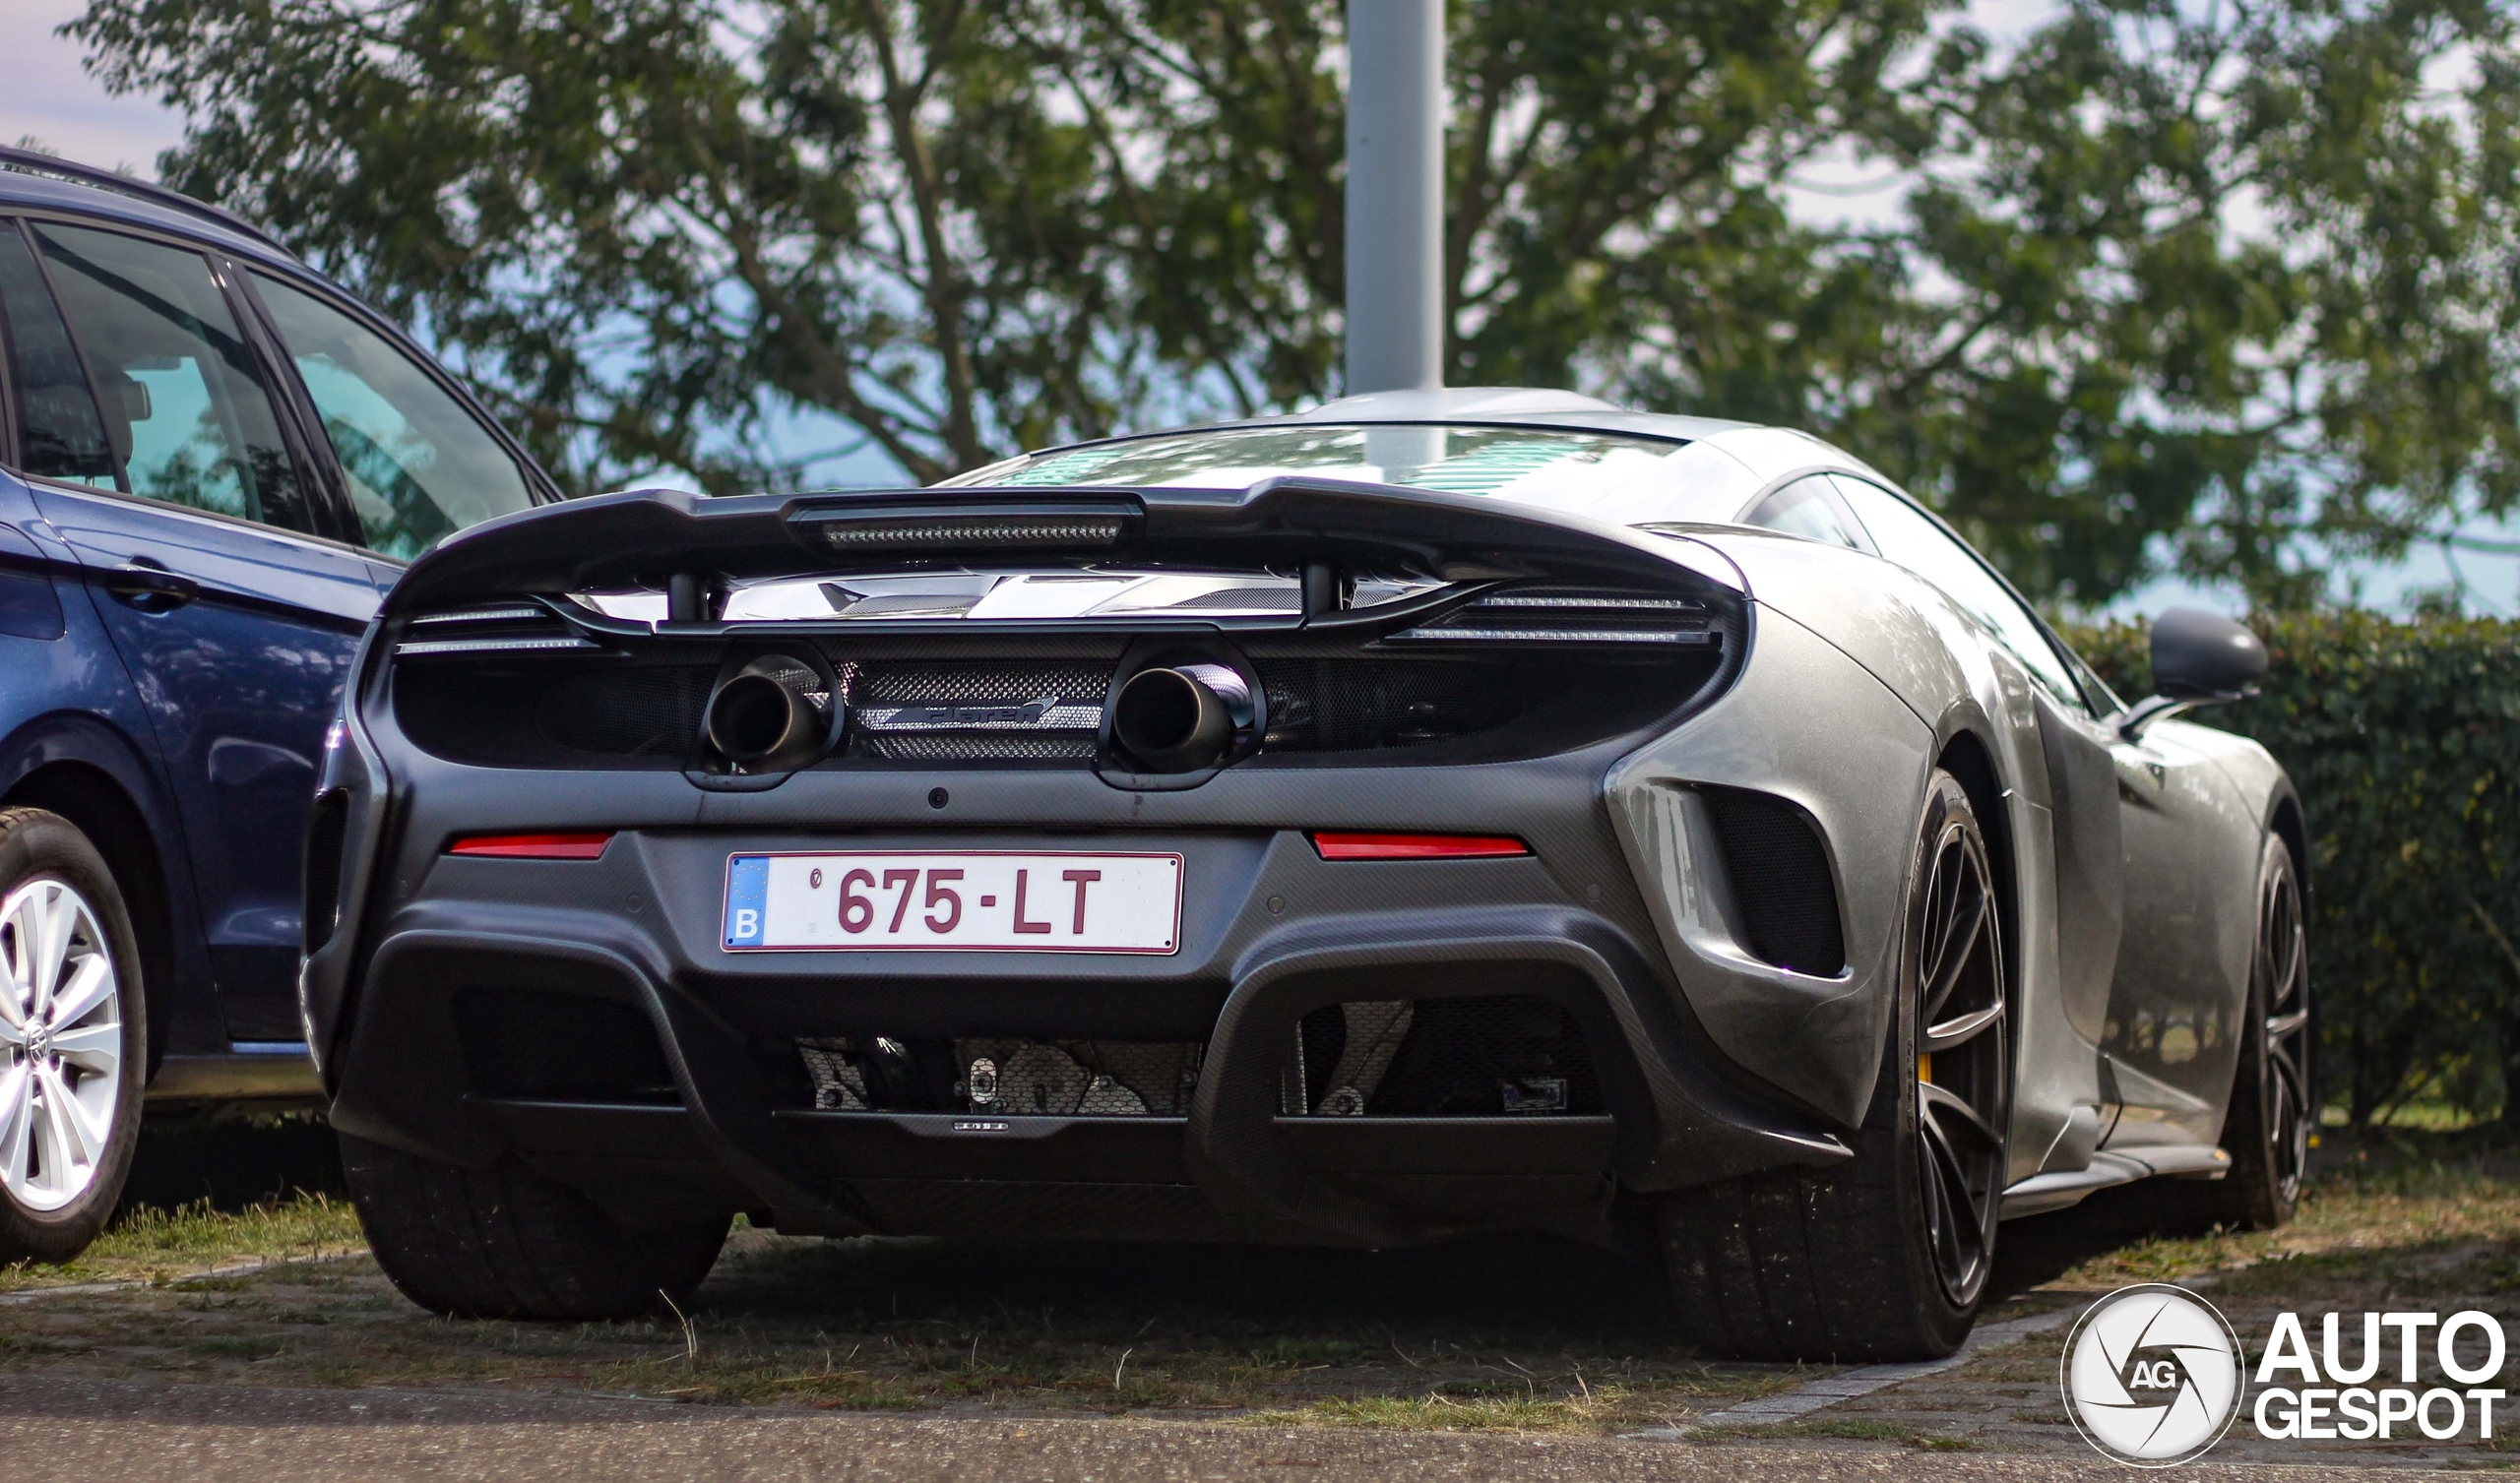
2404, 740
2212, 287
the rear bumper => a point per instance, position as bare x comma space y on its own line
1270, 932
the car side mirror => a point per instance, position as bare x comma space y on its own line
2199, 659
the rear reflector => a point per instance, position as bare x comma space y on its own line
533, 847
1417, 846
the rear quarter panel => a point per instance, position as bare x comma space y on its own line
1952, 679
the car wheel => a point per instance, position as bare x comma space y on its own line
1886, 1256
507, 1243
2274, 1103
73, 1041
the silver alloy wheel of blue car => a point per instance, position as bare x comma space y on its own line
61, 1022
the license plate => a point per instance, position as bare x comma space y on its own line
964, 901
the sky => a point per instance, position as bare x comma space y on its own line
53, 99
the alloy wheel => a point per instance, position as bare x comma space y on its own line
2282, 990
1963, 1063
60, 1045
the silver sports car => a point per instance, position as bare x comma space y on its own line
1432, 813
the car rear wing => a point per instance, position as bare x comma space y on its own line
1328, 531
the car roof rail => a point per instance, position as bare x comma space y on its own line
37, 162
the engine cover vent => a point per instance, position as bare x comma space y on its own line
1561, 616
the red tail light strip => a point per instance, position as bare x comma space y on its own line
1417, 846
533, 847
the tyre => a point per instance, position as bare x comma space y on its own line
2274, 1103
74, 1038
507, 1243
1884, 1257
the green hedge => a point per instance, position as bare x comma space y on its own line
2404, 739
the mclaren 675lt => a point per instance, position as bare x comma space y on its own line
1434, 813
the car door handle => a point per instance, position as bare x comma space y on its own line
149, 587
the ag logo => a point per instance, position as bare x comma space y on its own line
2152, 1375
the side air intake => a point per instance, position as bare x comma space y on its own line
1781, 881
325, 829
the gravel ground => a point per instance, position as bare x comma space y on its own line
1508, 1359
230, 1434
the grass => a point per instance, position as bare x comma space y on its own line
153, 1244
2423, 1210
1523, 1337
1840, 1429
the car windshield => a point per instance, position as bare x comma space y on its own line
1540, 465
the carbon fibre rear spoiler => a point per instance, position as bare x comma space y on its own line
1322, 528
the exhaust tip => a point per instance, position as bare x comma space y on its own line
1171, 720
766, 717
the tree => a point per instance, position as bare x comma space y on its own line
2218, 287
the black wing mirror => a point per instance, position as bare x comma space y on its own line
2198, 659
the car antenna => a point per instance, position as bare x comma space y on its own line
35, 162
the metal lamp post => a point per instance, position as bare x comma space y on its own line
1395, 194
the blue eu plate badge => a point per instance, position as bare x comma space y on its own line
747, 892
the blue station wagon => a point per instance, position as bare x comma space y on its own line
213, 463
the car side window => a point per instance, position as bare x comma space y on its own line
1808, 507
60, 433
420, 467
185, 409
1906, 535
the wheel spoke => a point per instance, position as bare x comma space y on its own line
90, 986
94, 1048
51, 1143
26, 940
80, 1137
1953, 949
1940, 1103
1962, 1227
1931, 1170
2282, 1027
17, 1112
1958, 1028
2281, 945
2289, 1076
54, 907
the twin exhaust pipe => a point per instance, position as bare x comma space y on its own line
776, 714
1181, 719
773, 715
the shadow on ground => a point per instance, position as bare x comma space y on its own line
1530, 1290
232, 1163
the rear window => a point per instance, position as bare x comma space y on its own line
1513, 463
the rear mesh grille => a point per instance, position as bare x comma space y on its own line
1494, 1055
1002, 1076
1781, 881
1367, 705
1490, 1056
982, 684
973, 747
975, 712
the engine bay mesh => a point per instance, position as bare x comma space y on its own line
626, 704
1496, 1055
